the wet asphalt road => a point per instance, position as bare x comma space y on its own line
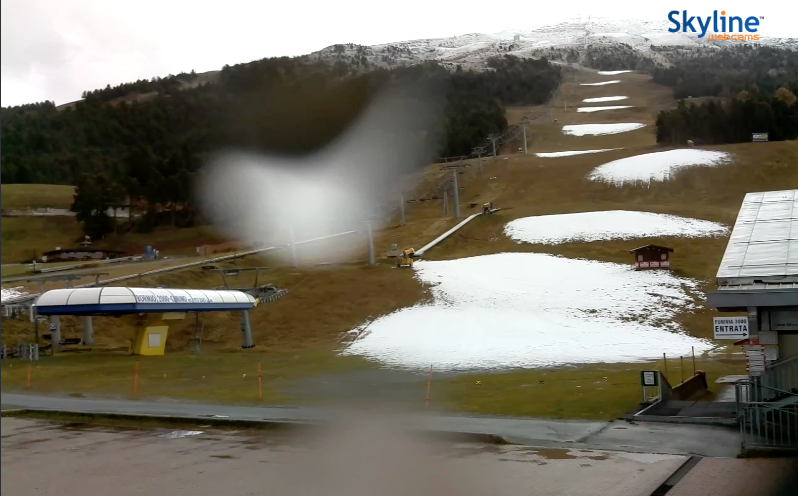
618, 435
39, 457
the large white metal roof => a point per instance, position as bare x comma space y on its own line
127, 300
764, 242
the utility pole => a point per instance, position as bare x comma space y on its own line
493, 139
456, 196
370, 234
401, 210
479, 150
523, 125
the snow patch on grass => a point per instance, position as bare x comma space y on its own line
8, 294
615, 81
533, 310
605, 99
658, 166
600, 129
598, 109
610, 224
611, 73
571, 153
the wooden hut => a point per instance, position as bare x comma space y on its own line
652, 257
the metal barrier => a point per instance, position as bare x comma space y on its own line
768, 416
23, 351
782, 375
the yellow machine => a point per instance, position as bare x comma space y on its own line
406, 258
487, 208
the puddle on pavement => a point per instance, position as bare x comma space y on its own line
567, 454
225, 457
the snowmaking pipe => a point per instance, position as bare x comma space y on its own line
445, 235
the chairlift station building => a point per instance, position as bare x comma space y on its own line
758, 274
152, 310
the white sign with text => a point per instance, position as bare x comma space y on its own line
735, 328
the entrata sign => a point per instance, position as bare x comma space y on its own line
735, 328
759, 137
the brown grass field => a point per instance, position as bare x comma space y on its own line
20, 196
325, 302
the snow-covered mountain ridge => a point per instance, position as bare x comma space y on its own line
472, 50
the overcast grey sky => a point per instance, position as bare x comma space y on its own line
55, 49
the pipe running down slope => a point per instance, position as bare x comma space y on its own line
445, 235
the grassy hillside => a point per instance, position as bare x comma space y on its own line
325, 302
20, 196
26, 237
346, 294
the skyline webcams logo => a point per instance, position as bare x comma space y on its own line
721, 30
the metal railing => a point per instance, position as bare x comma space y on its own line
23, 351
781, 375
767, 407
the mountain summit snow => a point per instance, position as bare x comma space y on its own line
472, 50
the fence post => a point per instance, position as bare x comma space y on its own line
665, 364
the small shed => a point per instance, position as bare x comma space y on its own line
652, 257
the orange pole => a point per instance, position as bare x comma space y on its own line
429, 384
29, 375
136, 379
260, 389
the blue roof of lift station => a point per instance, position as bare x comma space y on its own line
124, 300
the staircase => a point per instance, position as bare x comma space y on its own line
767, 407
